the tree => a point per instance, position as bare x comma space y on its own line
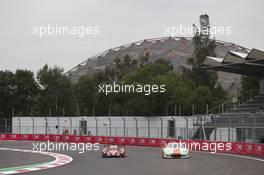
18, 92
86, 93
7, 90
56, 92
203, 46
120, 68
110, 73
26, 92
144, 59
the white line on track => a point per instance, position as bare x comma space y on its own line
60, 159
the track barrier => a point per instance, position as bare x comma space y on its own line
233, 148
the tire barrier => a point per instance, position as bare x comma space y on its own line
225, 147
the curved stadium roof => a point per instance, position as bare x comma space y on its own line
174, 49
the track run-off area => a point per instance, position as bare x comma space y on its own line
139, 160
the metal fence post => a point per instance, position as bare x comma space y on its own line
229, 130
215, 129
33, 125
58, 124
19, 125
175, 128
232, 136
220, 134
96, 126
46, 123
81, 129
70, 125
161, 127
187, 127
110, 126
136, 126
148, 127
203, 130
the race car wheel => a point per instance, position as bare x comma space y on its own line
184, 157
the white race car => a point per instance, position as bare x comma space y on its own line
175, 150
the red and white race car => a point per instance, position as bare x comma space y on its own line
174, 150
113, 151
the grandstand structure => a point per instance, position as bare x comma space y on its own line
174, 49
247, 118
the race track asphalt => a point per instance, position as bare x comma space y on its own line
139, 161
12, 158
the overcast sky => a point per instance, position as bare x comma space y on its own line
120, 22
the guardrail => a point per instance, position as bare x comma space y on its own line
235, 147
